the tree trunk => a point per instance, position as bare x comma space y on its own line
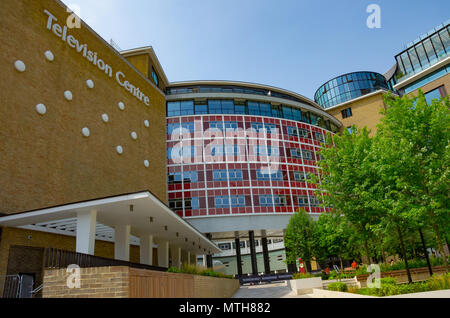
402, 245
441, 246
366, 248
426, 252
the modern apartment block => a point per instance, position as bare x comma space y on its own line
103, 156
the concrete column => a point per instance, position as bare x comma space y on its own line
265, 255
237, 242
86, 222
176, 256
251, 235
163, 253
146, 249
122, 242
204, 260
188, 258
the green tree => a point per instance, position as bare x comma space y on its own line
334, 236
413, 142
300, 238
346, 182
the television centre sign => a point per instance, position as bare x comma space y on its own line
93, 58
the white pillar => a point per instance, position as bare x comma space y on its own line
204, 260
189, 258
86, 222
146, 249
122, 242
163, 253
176, 256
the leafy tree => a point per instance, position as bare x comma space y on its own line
414, 140
334, 235
300, 238
345, 180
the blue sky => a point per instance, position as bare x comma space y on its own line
293, 44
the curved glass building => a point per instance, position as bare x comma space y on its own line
349, 86
239, 155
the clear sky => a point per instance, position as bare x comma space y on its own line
293, 44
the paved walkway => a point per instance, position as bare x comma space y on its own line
276, 290
281, 290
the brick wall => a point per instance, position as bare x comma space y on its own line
366, 112
45, 160
127, 282
100, 282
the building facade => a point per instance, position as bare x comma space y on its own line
241, 153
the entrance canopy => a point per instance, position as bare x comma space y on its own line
142, 213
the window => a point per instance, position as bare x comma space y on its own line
175, 153
176, 205
299, 176
260, 175
235, 175
220, 175
237, 201
173, 109
224, 246
435, 94
292, 131
302, 200
190, 176
230, 125
221, 202
171, 128
155, 77
174, 177
201, 109
187, 127
265, 200
277, 176
314, 201
187, 108
266, 151
307, 154
279, 200
303, 133
216, 125
319, 136
225, 150
347, 113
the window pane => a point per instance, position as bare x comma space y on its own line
215, 107
173, 109
430, 50
445, 39
187, 108
438, 45
228, 107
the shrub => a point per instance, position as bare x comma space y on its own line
194, 270
301, 275
338, 286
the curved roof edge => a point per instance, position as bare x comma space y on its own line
247, 84
346, 74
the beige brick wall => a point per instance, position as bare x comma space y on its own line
100, 282
366, 112
45, 160
127, 282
